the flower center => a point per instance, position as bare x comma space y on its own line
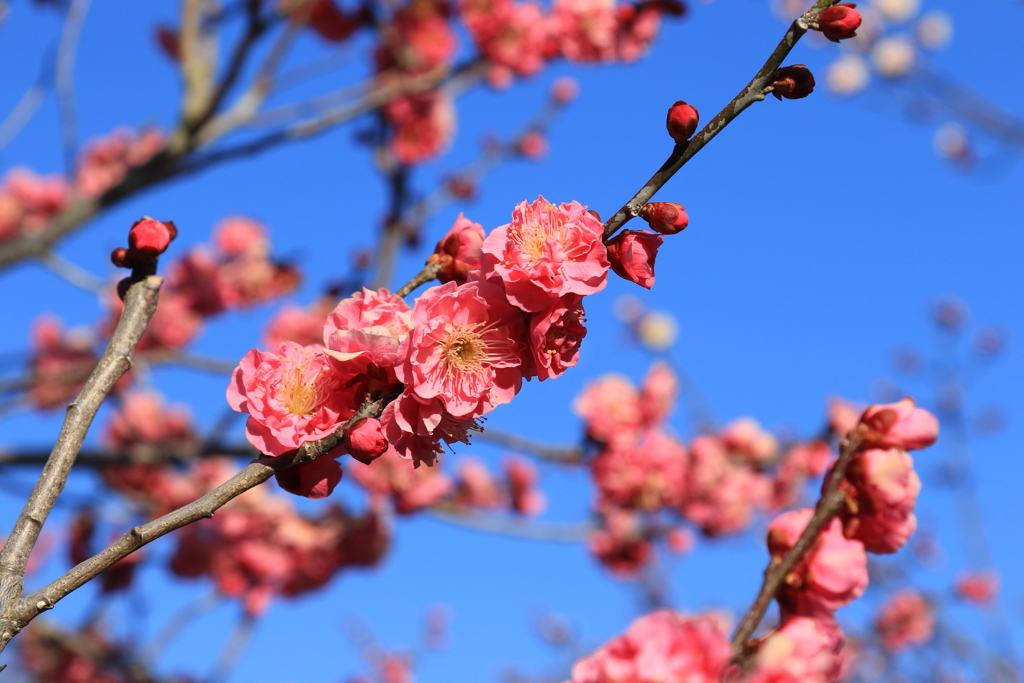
467, 351
536, 229
301, 393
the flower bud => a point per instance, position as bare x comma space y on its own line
565, 90
533, 145
459, 251
792, 82
365, 440
668, 218
682, 121
632, 255
840, 21
120, 258
149, 238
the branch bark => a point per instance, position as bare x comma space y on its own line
683, 152
140, 304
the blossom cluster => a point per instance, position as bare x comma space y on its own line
29, 202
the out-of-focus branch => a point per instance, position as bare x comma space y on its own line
65, 80
830, 503
198, 56
566, 454
234, 648
29, 103
516, 528
140, 304
683, 152
72, 273
103, 458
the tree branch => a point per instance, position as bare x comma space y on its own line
683, 152
515, 442
140, 304
830, 503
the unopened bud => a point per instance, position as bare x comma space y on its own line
682, 121
792, 82
120, 258
365, 440
149, 238
668, 218
565, 90
840, 22
632, 253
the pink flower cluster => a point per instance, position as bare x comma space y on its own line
237, 272
28, 202
516, 492
106, 162
60, 363
906, 619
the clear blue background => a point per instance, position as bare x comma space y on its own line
822, 231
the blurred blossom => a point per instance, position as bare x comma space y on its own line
788, 9
935, 30
658, 330
847, 75
884, 390
977, 587
950, 313
628, 309
872, 26
907, 361
991, 420
989, 341
949, 399
952, 143
893, 56
897, 10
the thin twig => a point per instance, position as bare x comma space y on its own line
140, 304
428, 273
65, 80
683, 152
515, 528
72, 273
566, 454
177, 623
830, 503
233, 650
29, 103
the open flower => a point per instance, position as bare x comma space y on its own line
555, 336
292, 397
546, 252
465, 349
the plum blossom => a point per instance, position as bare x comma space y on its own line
465, 349
368, 310
546, 252
585, 30
416, 428
292, 396
900, 425
521, 479
659, 647
647, 476
396, 478
801, 650
632, 254
513, 35
143, 420
555, 336
977, 587
658, 392
458, 252
885, 488
906, 619
722, 496
610, 406
620, 543
60, 362
832, 574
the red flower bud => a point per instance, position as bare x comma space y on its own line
121, 258
667, 218
792, 82
168, 41
840, 21
632, 255
365, 440
459, 251
331, 23
682, 121
149, 238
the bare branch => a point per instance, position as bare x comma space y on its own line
516, 528
140, 304
428, 273
65, 80
521, 444
683, 152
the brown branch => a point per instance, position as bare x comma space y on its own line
144, 454
428, 273
507, 525
683, 152
830, 503
67, 51
140, 304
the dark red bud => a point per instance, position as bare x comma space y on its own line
682, 121
668, 218
792, 82
840, 21
365, 440
149, 238
120, 258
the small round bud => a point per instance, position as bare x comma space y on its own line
365, 440
840, 22
792, 82
682, 121
120, 258
668, 218
149, 238
533, 145
565, 90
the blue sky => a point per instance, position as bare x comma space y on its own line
822, 231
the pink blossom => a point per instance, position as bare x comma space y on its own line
521, 477
632, 254
546, 252
511, 34
620, 544
60, 363
745, 438
832, 574
476, 487
422, 37
647, 476
424, 125
610, 406
365, 440
900, 425
144, 421
105, 162
315, 479
174, 324
660, 647
237, 236
658, 392
411, 489
292, 397
801, 650
885, 488
638, 27
800, 463
905, 620
28, 202
979, 588
722, 496
416, 428
585, 30
375, 311
843, 416
304, 326
555, 336
458, 252
465, 349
